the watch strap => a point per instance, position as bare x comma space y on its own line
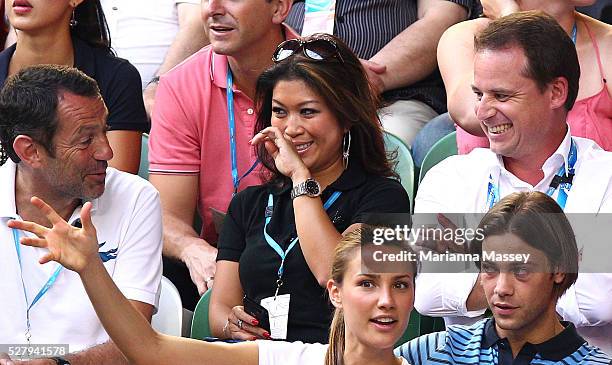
60, 361
302, 189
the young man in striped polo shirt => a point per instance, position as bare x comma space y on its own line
521, 294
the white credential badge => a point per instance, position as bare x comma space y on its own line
319, 17
278, 314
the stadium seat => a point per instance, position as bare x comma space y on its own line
403, 163
444, 148
143, 171
169, 316
200, 327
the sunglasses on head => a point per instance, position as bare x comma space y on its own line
317, 49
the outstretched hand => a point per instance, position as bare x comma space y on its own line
282, 150
72, 247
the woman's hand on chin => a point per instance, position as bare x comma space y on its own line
282, 150
74, 248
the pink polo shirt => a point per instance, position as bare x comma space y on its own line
190, 133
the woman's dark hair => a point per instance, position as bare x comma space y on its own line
344, 87
91, 25
539, 221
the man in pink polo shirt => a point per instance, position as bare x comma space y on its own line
191, 146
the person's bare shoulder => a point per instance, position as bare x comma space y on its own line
603, 35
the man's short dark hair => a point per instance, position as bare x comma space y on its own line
550, 52
29, 100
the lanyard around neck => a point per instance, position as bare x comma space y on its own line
232, 133
45, 288
272, 243
562, 181
574, 32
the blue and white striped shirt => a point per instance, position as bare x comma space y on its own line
480, 344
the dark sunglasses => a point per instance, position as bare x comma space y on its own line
318, 49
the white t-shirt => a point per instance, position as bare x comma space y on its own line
142, 30
293, 353
127, 218
459, 185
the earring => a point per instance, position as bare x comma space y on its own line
73, 22
3, 156
346, 148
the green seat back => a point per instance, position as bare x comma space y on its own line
143, 171
404, 166
420, 325
200, 327
445, 147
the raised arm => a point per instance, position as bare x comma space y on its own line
189, 39
317, 234
77, 249
416, 45
456, 63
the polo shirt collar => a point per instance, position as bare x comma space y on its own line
8, 208
7, 190
218, 63
554, 349
556, 160
5, 60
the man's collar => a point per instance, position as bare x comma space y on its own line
8, 208
556, 348
218, 63
560, 154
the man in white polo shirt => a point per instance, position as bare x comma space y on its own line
526, 75
54, 146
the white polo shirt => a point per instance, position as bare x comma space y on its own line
127, 218
459, 184
143, 30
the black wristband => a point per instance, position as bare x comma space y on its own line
60, 361
154, 80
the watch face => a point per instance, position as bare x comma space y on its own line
312, 188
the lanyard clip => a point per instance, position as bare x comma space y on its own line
268, 213
563, 180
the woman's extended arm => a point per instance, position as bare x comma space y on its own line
77, 250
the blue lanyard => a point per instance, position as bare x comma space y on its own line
272, 243
232, 133
42, 290
574, 32
561, 181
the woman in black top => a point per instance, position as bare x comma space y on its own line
318, 132
74, 33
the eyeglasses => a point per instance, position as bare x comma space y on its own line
317, 49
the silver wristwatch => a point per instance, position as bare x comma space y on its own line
308, 187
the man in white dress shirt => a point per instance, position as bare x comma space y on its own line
526, 75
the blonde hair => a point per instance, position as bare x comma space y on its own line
343, 254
